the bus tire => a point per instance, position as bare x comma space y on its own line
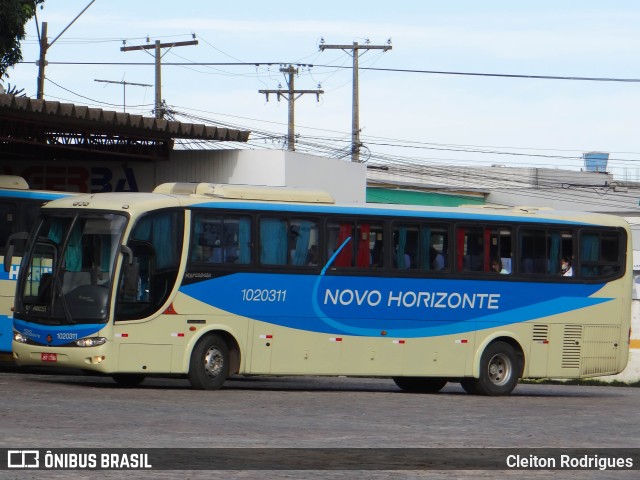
499, 371
420, 384
209, 365
128, 379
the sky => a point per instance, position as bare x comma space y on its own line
410, 111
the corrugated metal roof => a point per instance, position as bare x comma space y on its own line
68, 116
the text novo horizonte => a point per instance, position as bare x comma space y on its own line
411, 299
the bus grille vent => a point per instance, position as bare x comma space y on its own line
541, 333
600, 350
571, 345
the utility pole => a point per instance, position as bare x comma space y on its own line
44, 46
124, 89
159, 113
291, 95
355, 118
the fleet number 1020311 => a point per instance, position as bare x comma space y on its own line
263, 295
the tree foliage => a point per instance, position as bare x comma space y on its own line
14, 14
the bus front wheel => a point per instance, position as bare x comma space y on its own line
420, 384
499, 371
209, 365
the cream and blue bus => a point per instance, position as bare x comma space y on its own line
18, 211
207, 281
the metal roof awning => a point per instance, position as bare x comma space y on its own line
47, 129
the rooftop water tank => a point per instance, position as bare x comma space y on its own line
595, 161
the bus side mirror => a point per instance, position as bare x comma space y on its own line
10, 247
131, 271
8, 257
128, 253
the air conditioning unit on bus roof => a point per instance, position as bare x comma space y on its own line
247, 192
13, 181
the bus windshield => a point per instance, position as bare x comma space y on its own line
69, 269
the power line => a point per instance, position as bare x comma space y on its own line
397, 70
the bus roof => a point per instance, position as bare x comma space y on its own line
248, 192
311, 201
16, 187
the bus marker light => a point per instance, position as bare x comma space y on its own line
95, 360
177, 334
121, 335
192, 329
464, 340
335, 339
399, 342
266, 336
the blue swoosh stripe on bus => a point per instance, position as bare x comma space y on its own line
307, 309
33, 195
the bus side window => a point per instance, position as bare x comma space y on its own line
219, 239
274, 241
7, 222
599, 253
470, 247
541, 250
343, 234
376, 245
361, 244
405, 246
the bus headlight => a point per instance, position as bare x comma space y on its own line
91, 341
18, 337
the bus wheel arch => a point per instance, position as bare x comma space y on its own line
234, 351
499, 367
213, 359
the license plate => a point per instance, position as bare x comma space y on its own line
49, 357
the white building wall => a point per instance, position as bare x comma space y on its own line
346, 181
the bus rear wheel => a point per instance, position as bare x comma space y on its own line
499, 371
420, 384
209, 365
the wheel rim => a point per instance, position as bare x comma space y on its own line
499, 369
213, 362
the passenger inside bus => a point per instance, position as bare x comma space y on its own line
496, 266
312, 256
565, 265
437, 259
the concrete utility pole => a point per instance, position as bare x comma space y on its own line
355, 122
159, 113
44, 46
291, 95
124, 89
